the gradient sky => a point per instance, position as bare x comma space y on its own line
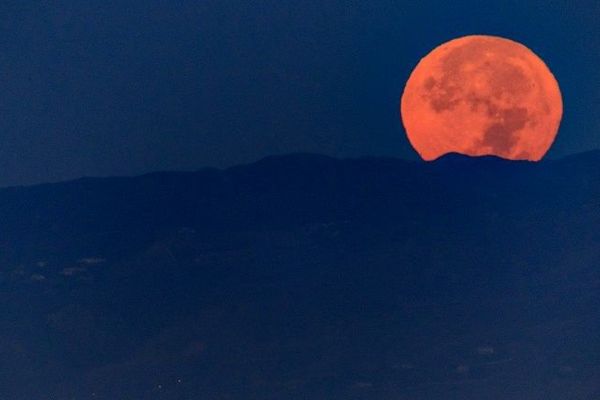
126, 87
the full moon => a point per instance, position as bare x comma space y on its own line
482, 95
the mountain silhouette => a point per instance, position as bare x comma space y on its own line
304, 276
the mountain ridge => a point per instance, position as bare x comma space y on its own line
303, 157
293, 184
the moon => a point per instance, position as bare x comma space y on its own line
482, 95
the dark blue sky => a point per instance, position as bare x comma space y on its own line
125, 87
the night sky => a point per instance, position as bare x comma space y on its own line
127, 87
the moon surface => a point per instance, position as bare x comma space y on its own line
482, 95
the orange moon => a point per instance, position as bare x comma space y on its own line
482, 95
